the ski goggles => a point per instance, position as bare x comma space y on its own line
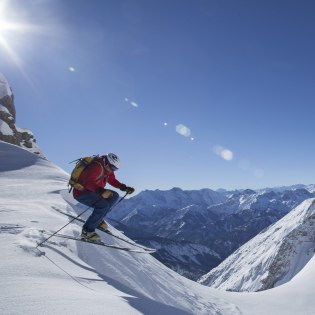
113, 167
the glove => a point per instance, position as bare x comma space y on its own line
107, 194
128, 190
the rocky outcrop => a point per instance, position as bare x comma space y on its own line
9, 132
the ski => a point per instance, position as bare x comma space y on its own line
100, 243
147, 249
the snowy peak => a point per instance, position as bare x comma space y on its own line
177, 198
149, 202
282, 201
9, 132
5, 89
271, 258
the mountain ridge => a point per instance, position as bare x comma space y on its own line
223, 226
271, 258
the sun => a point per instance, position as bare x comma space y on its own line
8, 30
5, 28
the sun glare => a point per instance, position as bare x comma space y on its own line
3, 22
8, 30
4, 27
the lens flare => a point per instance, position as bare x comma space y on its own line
224, 153
183, 130
227, 155
132, 103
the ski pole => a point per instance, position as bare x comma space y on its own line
121, 199
45, 240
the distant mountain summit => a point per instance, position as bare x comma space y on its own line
271, 258
9, 132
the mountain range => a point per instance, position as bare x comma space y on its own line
210, 225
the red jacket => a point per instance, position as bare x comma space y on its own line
95, 177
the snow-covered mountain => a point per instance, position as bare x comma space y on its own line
150, 202
220, 222
310, 188
280, 200
271, 258
9, 132
68, 277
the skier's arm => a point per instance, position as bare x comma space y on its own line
113, 181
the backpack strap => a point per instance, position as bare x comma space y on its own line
102, 168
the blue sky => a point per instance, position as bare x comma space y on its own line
189, 93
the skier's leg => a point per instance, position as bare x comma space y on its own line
101, 208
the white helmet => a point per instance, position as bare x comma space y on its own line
113, 161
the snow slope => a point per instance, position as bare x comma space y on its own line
294, 297
102, 280
68, 277
271, 258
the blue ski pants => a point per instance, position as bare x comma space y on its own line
101, 207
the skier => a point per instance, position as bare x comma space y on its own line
94, 178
